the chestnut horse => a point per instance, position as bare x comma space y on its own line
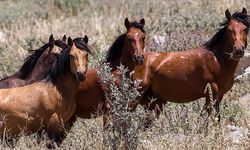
128, 49
36, 65
50, 102
183, 76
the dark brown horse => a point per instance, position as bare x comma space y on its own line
36, 66
128, 49
183, 76
50, 102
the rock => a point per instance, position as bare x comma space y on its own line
160, 39
245, 74
243, 68
244, 104
2, 36
236, 134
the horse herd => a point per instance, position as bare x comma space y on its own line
54, 85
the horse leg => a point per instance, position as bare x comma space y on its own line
68, 126
217, 107
155, 108
54, 131
207, 107
70, 123
10, 142
40, 136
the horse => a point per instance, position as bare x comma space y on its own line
184, 76
128, 49
36, 65
50, 102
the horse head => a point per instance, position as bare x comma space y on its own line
79, 51
237, 30
135, 40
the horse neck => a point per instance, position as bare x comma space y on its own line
126, 58
39, 72
66, 84
42, 67
228, 65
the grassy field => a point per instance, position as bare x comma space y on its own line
170, 26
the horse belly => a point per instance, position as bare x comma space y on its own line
20, 123
179, 90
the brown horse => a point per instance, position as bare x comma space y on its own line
36, 66
183, 76
50, 102
128, 49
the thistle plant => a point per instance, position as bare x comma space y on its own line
120, 89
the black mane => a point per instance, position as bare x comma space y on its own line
136, 24
79, 43
213, 42
116, 48
31, 60
61, 64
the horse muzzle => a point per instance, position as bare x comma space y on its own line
138, 59
80, 76
239, 53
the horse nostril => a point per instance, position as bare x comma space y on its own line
239, 52
134, 57
80, 76
142, 57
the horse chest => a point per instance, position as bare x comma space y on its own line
225, 84
68, 110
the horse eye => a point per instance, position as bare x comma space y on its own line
130, 39
245, 30
229, 30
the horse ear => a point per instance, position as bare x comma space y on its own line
127, 23
64, 37
86, 39
51, 39
228, 15
142, 21
70, 41
244, 10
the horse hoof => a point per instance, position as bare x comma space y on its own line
146, 126
52, 145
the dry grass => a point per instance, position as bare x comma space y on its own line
183, 24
